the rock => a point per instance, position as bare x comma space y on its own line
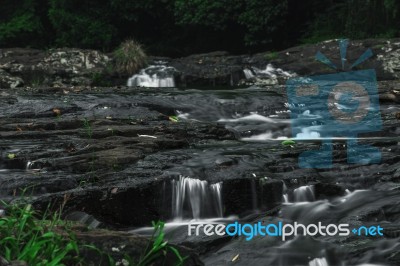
70, 66
122, 244
9, 81
67, 66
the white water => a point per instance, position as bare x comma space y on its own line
285, 198
272, 72
304, 194
29, 165
154, 76
318, 262
248, 73
269, 72
196, 198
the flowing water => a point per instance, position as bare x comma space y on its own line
154, 76
201, 175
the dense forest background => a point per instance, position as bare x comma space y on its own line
182, 27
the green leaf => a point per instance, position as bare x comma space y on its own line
173, 118
288, 142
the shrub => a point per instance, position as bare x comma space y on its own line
129, 57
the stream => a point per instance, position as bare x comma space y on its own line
121, 157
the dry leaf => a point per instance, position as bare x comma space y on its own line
56, 112
235, 258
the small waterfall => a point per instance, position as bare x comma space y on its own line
194, 198
269, 72
318, 262
248, 73
285, 198
304, 194
272, 72
29, 165
285, 195
216, 192
154, 76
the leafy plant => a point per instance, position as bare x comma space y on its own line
11, 156
35, 241
158, 246
129, 57
173, 118
288, 142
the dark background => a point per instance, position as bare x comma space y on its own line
181, 27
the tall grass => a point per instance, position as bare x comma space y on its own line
50, 242
35, 241
129, 57
158, 246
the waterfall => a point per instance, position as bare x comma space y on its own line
318, 262
194, 198
269, 72
285, 198
216, 192
248, 73
29, 165
304, 194
153, 76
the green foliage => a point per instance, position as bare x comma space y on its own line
355, 19
129, 57
181, 27
271, 55
288, 142
216, 14
159, 247
19, 21
80, 25
257, 18
263, 20
37, 242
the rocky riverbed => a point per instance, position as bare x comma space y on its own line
115, 156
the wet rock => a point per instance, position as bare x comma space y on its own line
55, 67
122, 244
246, 195
69, 66
326, 190
9, 81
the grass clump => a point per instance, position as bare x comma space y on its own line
23, 237
271, 55
129, 57
50, 241
158, 247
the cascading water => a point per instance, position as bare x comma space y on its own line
318, 262
304, 194
248, 73
285, 198
153, 76
194, 198
270, 73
